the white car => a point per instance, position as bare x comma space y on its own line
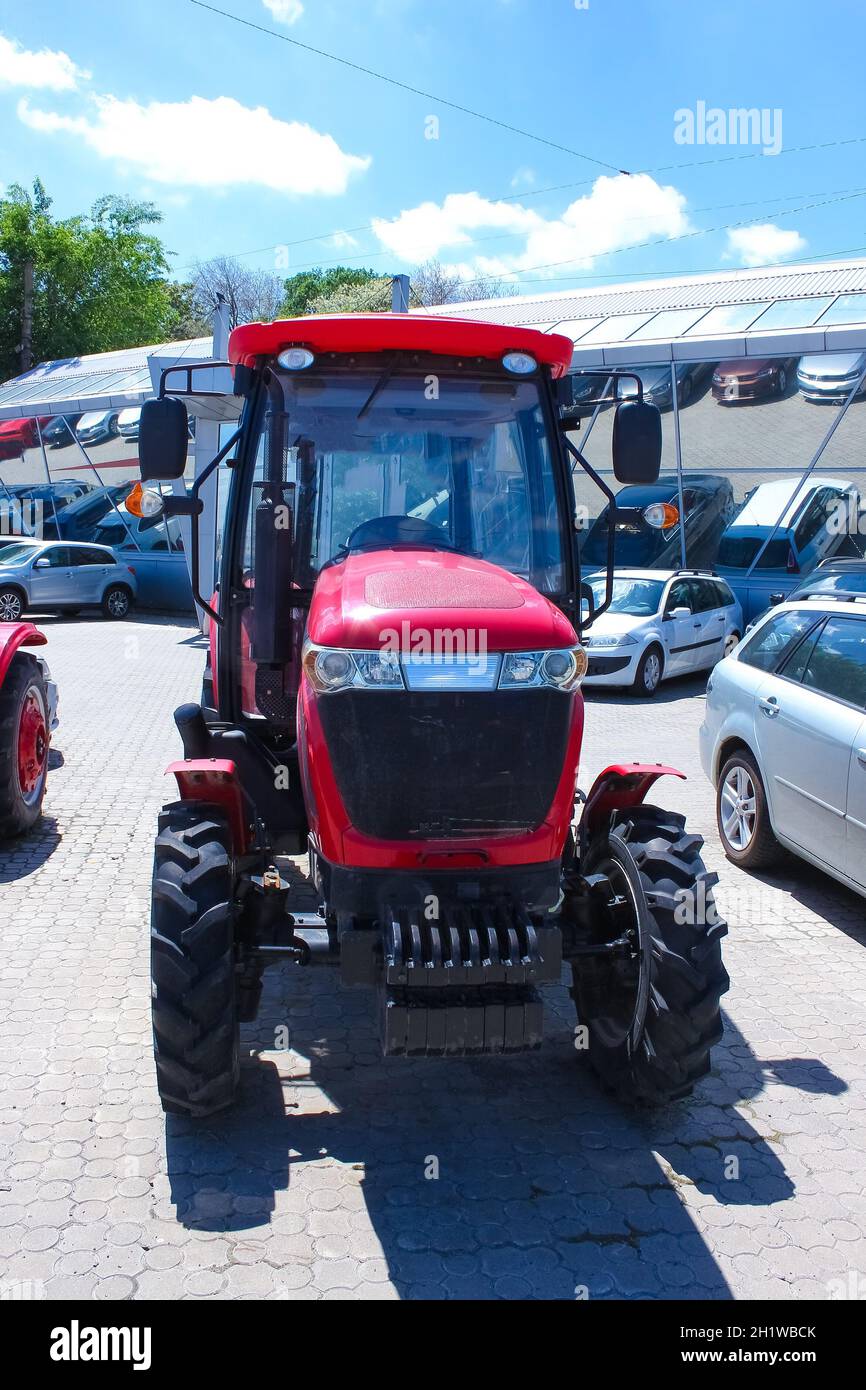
660, 623
784, 738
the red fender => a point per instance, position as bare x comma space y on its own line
215, 780
13, 636
620, 786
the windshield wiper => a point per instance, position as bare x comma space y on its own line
380, 384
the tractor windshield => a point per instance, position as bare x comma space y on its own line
464, 456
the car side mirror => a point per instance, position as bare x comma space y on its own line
42, 564
776, 599
163, 438
680, 612
637, 442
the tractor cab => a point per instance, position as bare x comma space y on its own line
395, 690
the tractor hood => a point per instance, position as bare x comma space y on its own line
361, 602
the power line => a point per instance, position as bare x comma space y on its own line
495, 236
517, 130
664, 241
406, 87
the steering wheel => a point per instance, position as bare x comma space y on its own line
397, 530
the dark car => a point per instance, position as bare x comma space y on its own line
647, 526
656, 383
78, 521
60, 431
752, 378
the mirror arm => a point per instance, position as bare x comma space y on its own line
215, 462
611, 524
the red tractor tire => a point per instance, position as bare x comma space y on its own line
653, 1013
24, 744
195, 1018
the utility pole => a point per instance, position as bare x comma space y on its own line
27, 318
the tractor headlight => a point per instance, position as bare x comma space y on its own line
561, 669
332, 668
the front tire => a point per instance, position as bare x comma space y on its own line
648, 676
12, 605
24, 742
652, 1010
195, 1022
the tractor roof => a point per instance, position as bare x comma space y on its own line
389, 332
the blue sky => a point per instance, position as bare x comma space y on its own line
249, 144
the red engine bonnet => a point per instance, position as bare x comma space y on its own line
424, 591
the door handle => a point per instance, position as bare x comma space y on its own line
861, 756
770, 706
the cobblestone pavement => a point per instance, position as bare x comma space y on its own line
316, 1185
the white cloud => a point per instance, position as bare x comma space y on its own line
49, 68
763, 244
620, 211
207, 144
343, 241
285, 11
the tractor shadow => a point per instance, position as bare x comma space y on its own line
22, 856
508, 1179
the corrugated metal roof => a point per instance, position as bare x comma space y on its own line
101, 380
679, 292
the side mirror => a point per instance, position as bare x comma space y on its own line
637, 442
681, 612
776, 599
163, 438
42, 564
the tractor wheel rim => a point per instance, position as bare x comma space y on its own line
118, 603
10, 607
739, 809
32, 746
651, 672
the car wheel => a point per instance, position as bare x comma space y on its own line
782, 384
11, 605
730, 642
742, 814
649, 672
117, 601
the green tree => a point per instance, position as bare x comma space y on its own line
99, 280
310, 286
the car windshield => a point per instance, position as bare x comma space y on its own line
424, 456
16, 554
640, 598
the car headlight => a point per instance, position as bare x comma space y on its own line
559, 669
333, 668
613, 639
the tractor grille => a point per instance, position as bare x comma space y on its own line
441, 765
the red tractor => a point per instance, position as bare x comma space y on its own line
394, 688
28, 713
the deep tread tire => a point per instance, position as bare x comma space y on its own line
18, 814
763, 850
195, 1025
668, 1048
